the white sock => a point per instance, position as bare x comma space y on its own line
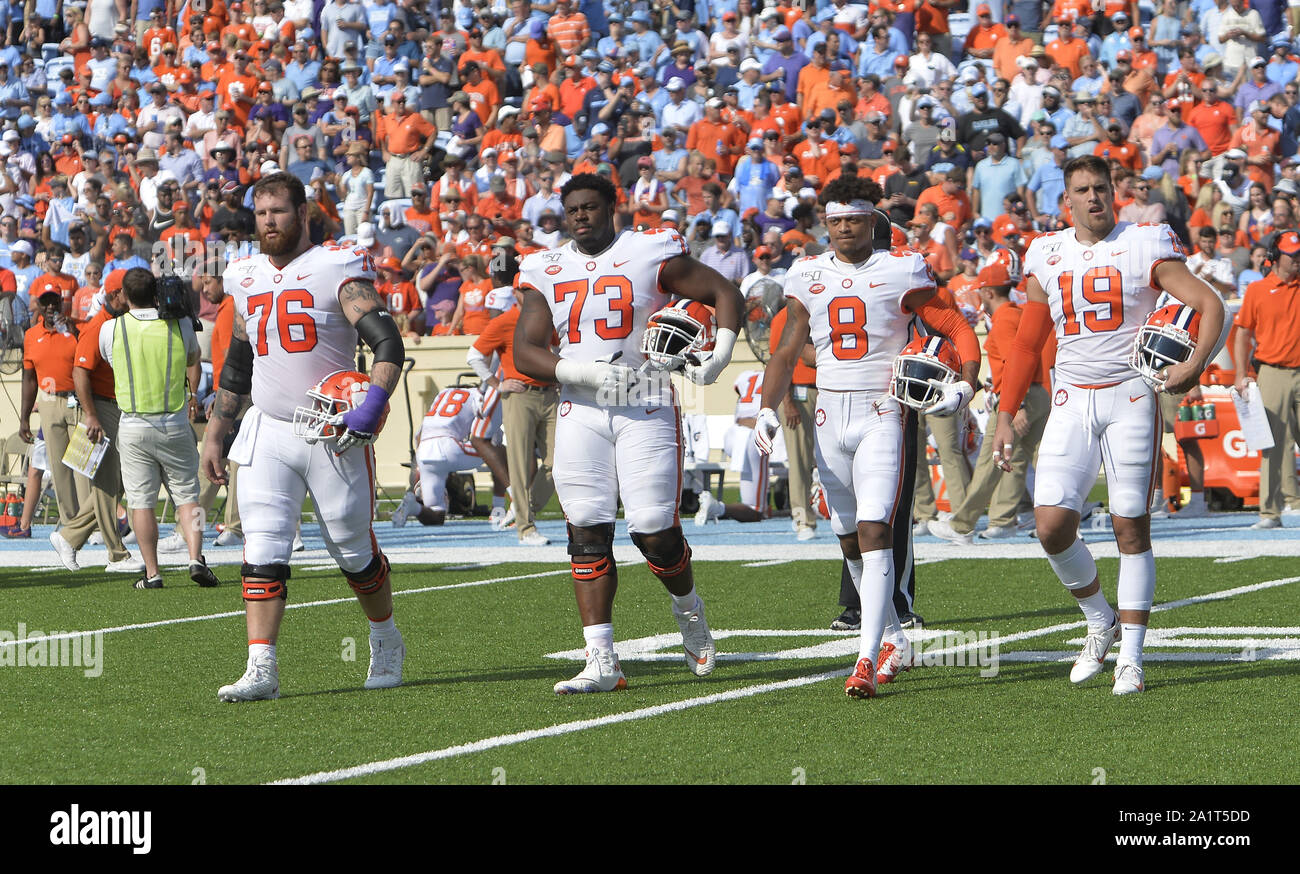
384, 628
685, 603
1096, 609
601, 635
1196, 500
1137, 581
259, 651
875, 594
855, 574
498, 502
716, 509
1130, 645
893, 628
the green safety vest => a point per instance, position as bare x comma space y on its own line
148, 365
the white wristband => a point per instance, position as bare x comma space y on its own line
577, 373
723, 343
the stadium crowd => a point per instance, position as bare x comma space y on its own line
438, 136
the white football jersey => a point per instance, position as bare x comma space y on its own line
1100, 295
600, 303
857, 323
749, 394
294, 321
451, 414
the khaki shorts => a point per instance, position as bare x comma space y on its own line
157, 451
1169, 405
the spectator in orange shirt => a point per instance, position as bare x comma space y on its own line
1116, 148
84, 305
949, 197
936, 254
499, 206
1260, 143
54, 279
714, 138
1067, 50
568, 29
984, 36
818, 158
471, 315
483, 94
1213, 118
831, 93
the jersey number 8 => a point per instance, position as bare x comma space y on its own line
848, 320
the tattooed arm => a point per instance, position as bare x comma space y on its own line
235, 381
359, 300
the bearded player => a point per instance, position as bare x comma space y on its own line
1096, 283
299, 311
858, 304
618, 432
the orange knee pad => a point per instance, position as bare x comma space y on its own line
264, 582
371, 578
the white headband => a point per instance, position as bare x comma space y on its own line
853, 207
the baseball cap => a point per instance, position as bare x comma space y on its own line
366, 234
22, 246
781, 34
983, 9
721, 229
1012, 21
762, 251
497, 184
1136, 32
670, 215
994, 275
1236, 154
1259, 62
1152, 173
1123, 55
676, 84
968, 254
269, 168
1060, 142
390, 263
1289, 243
983, 222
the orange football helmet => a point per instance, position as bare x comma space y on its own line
677, 333
330, 398
1168, 337
922, 360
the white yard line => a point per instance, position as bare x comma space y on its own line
226, 615
505, 740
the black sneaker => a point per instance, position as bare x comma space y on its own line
153, 582
849, 620
911, 620
202, 574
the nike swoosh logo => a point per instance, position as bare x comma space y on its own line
1117, 254
303, 276
1134, 400
652, 411
698, 660
619, 263
876, 284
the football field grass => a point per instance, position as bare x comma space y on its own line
991, 703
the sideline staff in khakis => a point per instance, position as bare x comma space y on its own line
151, 357
49, 348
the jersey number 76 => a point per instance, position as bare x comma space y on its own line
296, 329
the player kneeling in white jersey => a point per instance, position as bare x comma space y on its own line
454, 438
618, 434
299, 310
745, 459
1098, 282
858, 304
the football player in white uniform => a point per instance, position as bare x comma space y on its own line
455, 437
1097, 283
299, 311
858, 304
745, 458
618, 435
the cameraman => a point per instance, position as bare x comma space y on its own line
151, 357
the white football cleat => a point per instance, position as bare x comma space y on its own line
705, 514
96, 538
128, 565
805, 533
999, 532
173, 542
227, 538
67, 555
508, 521
893, 661
495, 517
697, 640
386, 657
1265, 523
921, 529
943, 529
535, 538
407, 508
1128, 680
261, 682
603, 673
1093, 656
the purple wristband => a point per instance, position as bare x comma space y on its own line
365, 419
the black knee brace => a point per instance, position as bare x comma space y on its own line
269, 581
591, 551
371, 578
672, 556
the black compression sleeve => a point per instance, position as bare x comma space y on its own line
237, 372
380, 333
